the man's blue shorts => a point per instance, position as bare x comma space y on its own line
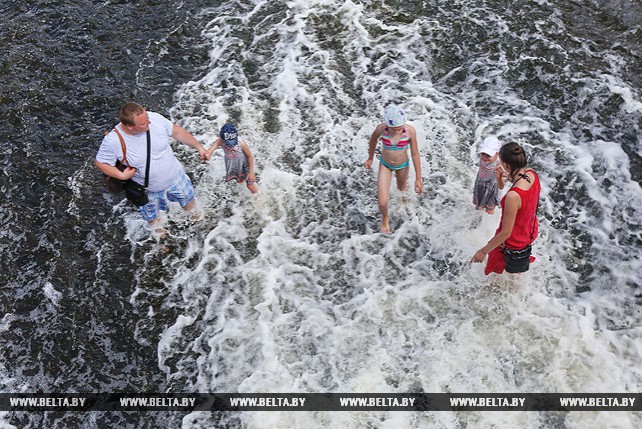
181, 191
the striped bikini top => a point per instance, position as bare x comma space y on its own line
402, 144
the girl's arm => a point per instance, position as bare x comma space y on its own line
217, 143
512, 205
416, 159
250, 159
499, 174
372, 144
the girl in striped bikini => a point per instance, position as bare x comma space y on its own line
396, 137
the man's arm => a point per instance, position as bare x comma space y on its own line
114, 172
183, 136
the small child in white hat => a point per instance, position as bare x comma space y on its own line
490, 177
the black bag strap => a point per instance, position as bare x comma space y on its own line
149, 153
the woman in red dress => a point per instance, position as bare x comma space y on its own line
510, 249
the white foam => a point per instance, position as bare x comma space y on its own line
52, 294
296, 291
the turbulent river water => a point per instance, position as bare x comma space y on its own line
295, 290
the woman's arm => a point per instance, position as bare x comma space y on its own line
511, 206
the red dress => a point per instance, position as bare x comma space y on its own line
525, 229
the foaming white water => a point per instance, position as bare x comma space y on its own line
4, 424
295, 291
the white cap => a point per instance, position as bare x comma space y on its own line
490, 145
394, 116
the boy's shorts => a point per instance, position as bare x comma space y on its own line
181, 191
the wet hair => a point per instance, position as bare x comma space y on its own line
514, 156
129, 111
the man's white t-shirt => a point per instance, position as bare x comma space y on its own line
164, 167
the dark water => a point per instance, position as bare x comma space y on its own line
67, 271
66, 68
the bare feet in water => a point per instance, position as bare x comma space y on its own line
161, 233
197, 215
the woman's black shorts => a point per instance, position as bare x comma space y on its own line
517, 261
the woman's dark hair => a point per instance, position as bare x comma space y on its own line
513, 155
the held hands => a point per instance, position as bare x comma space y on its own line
204, 154
499, 172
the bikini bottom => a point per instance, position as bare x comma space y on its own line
394, 167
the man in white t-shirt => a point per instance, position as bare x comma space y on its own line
167, 179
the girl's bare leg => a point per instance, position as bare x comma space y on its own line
384, 179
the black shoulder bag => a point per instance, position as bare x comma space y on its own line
135, 193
